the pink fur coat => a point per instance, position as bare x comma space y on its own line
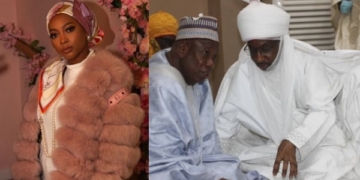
95, 142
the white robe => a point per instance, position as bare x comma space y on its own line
256, 110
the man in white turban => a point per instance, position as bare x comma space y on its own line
275, 109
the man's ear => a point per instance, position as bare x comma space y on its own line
183, 48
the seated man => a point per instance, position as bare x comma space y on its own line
183, 142
275, 108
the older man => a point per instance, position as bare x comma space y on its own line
183, 142
275, 108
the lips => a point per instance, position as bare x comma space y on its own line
263, 66
205, 74
66, 50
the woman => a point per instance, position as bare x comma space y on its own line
80, 121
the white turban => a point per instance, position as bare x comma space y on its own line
262, 21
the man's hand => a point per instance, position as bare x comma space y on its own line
286, 153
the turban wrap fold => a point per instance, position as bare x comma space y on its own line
262, 21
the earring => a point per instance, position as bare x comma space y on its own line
88, 38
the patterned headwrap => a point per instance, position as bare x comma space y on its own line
82, 14
160, 24
202, 27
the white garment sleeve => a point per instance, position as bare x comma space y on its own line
226, 127
317, 102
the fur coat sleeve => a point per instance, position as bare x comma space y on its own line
95, 141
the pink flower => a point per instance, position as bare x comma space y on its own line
133, 66
137, 3
145, 86
34, 65
141, 57
126, 2
132, 29
123, 18
144, 45
122, 12
7, 45
124, 7
127, 48
101, 2
134, 12
125, 32
143, 24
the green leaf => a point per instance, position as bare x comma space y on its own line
116, 3
134, 59
40, 48
34, 43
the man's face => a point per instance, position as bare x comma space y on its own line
263, 52
68, 38
197, 60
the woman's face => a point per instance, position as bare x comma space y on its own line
68, 38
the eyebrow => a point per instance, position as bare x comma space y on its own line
62, 26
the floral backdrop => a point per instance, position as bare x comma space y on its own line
134, 47
24, 46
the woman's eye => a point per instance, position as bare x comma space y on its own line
53, 35
70, 29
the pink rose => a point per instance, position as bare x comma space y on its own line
143, 24
132, 29
138, 38
144, 45
125, 31
124, 7
126, 2
123, 18
130, 48
122, 12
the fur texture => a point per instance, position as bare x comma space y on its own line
95, 142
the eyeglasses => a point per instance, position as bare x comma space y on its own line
264, 50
